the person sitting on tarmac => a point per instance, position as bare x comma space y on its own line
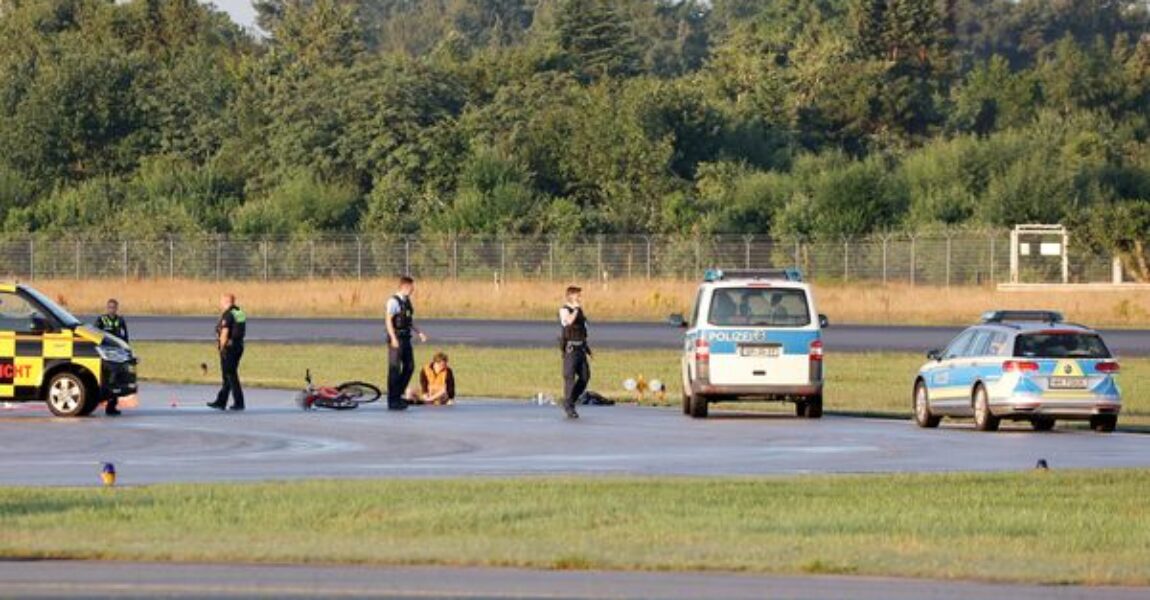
437, 382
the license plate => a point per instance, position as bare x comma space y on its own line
1068, 383
760, 351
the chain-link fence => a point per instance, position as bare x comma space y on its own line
954, 258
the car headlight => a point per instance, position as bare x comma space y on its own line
114, 354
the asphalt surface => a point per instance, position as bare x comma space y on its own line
526, 334
173, 437
147, 580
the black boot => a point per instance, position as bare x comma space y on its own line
111, 410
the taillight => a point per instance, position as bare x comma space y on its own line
1109, 366
1019, 366
816, 351
702, 350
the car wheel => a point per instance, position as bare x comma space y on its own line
1042, 424
922, 414
686, 403
67, 396
814, 407
801, 408
984, 420
698, 406
1104, 423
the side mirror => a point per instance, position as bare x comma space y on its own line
824, 322
935, 354
39, 324
677, 320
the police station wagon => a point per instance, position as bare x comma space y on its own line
1022, 366
48, 355
753, 335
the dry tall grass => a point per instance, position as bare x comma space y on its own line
617, 300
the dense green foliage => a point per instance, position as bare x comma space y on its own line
814, 117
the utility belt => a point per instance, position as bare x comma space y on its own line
572, 345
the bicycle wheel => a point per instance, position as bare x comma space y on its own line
339, 403
359, 392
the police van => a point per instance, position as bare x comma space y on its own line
753, 335
48, 355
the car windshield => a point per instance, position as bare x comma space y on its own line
759, 307
1060, 345
57, 311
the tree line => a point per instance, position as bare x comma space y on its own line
818, 118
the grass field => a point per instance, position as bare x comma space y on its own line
1049, 527
856, 383
619, 300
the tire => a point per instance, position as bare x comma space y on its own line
801, 409
814, 407
1104, 423
1042, 423
922, 415
686, 403
698, 406
68, 396
359, 392
984, 420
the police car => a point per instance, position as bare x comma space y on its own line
753, 335
48, 355
1022, 366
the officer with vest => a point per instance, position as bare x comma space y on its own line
230, 332
113, 323
400, 356
576, 352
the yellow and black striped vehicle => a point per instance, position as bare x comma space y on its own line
48, 355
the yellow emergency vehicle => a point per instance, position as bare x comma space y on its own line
48, 355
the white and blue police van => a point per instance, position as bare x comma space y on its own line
753, 335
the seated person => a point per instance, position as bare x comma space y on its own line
437, 382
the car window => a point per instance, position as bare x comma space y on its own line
979, 344
1060, 344
759, 307
958, 346
17, 314
998, 345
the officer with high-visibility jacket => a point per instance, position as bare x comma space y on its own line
400, 355
576, 352
230, 332
111, 321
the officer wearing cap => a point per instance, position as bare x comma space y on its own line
400, 356
230, 332
576, 352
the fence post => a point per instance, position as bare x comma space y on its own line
358, 257
912, 240
125, 260
455, 256
798, 251
698, 255
78, 259
885, 239
266, 251
599, 257
503, 259
171, 258
747, 239
992, 258
846, 258
219, 256
551, 257
407, 256
949, 237
648, 238
31, 259
311, 260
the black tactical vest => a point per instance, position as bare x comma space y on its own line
405, 318
577, 330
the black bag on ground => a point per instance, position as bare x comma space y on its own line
590, 398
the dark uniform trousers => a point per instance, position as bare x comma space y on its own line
230, 369
576, 374
400, 367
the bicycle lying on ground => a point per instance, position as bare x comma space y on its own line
345, 396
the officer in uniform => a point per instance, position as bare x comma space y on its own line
111, 322
576, 352
400, 356
230, 332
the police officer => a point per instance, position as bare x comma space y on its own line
576, 352
400, 356
230, 332
112, 322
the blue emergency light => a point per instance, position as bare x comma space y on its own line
786, 274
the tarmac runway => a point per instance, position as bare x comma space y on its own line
525, 334
173, 437
53, 579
